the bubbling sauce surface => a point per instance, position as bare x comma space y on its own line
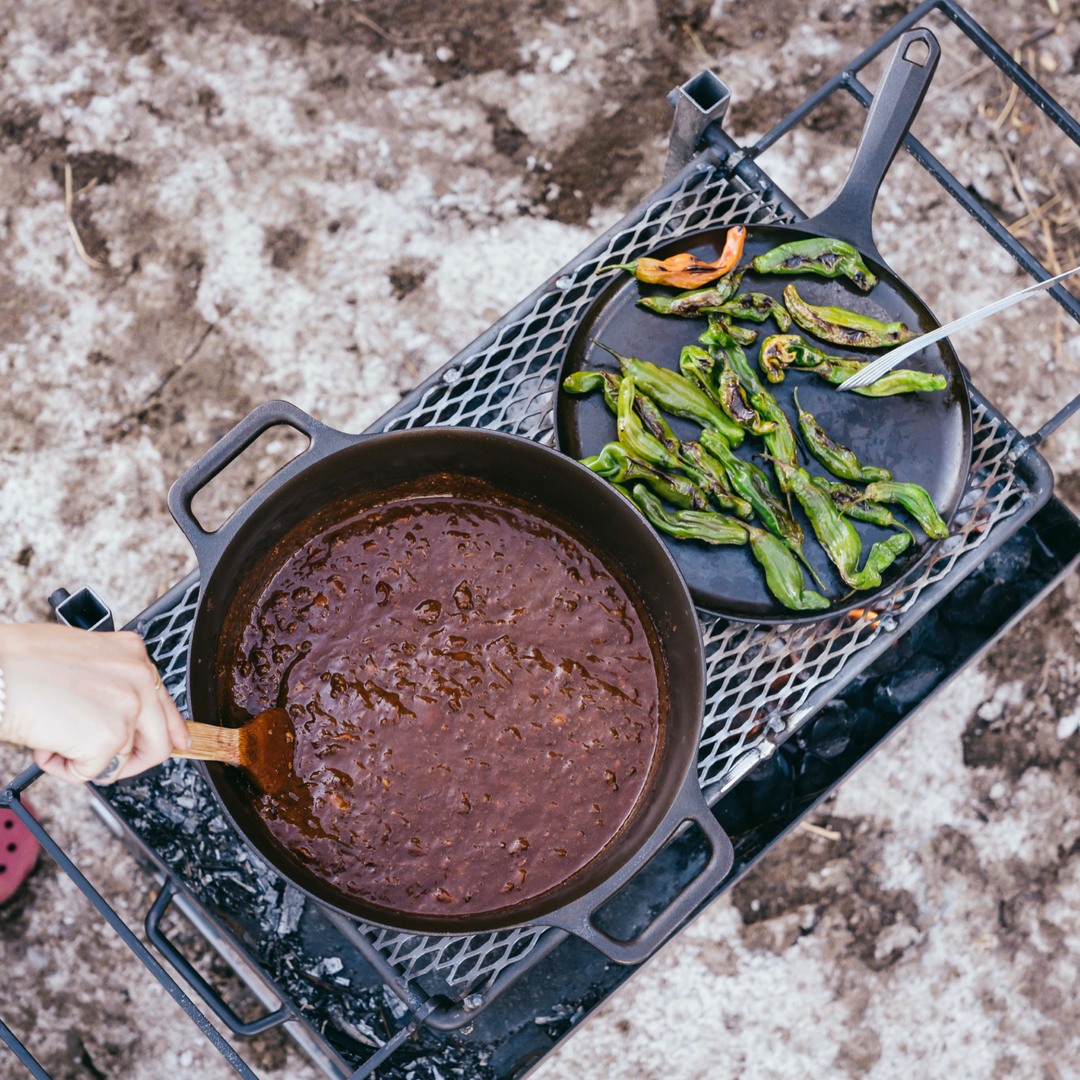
475, 698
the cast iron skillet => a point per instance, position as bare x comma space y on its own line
336, 466
924, 438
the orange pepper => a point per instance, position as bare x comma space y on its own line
685, 271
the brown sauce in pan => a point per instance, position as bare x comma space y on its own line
475, 697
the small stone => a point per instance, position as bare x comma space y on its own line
990, 710
561, 61
1068, 725
187, 1059
444, 54
997, 791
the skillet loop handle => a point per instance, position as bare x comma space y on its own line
323, 440
690, 805
850, 214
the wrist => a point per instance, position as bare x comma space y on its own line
9, 638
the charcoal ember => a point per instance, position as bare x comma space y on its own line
292, 907
830, 734
1002, 600
1011, 560
860, 691
943, 643
871, 725
767, 788
903, 689
957, 608
906, 646
816, 775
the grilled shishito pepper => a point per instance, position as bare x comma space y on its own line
698, 364
783, 575
789, 350
693, 303
700, 464
677, 395
915, 500
685, 271
753, 485
615, 464
851, 501
842, 327
689, 524
632, 434
582, 382
757, 307
839, 460
818, 255
838, 536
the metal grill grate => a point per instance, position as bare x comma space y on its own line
758, 677
509, 385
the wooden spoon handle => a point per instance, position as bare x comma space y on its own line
210, 743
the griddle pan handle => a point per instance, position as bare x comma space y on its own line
850, 214
209, 995
689, 806
323, 441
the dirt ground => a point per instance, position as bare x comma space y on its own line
324, 201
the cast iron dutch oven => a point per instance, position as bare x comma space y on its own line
924, 438
337, 466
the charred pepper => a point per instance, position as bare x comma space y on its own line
783, 575
677, 395
699, 463
780, 442
724, 387
689, 524
818, 255
693, 303
915, 500
684, 270
842, 327
753, 485
582, 382
615, 464
850, 500
634, 437
839, 460
757, 307
838, 536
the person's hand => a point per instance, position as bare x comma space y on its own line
90, 705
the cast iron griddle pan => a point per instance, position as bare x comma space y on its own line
924, 438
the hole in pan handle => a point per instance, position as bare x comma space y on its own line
903, 86
209, 995
322, 440
689, 805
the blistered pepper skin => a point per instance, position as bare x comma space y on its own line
915, 500
686, 271
691, 304
817, 255
783, 575
839, 460
689, 524
757, 307
615, 464
839, 326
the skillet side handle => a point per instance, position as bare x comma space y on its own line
689, 806
323, 440
850, 214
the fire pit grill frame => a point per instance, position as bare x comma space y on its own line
505, 380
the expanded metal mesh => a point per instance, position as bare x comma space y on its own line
758, 677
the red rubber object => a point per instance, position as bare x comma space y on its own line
18, 853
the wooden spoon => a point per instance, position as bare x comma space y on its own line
263, 748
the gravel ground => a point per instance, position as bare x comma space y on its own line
323, 202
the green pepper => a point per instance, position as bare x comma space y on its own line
783, 575
692, 303
839, 460
915, 500
897, 381
789, 350
582, 382
689, 524
741, 335
733, 398
753, 485
698, 462
819, 255
842, 327
851, 501
632, 434
757, 307
780, 442
838, 536
677, 395
615, 464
